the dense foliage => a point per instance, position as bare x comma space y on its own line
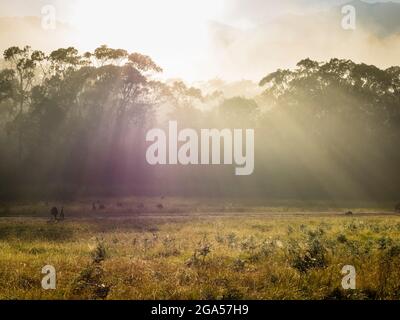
72, 123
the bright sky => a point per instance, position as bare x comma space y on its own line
176, 33
171, 31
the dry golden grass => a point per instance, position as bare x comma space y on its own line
227, 256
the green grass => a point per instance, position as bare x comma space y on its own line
225, 256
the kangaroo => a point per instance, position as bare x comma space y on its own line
54, 212
62, 214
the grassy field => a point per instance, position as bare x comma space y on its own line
151, 251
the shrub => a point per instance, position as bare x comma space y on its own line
99, 254
384, 242
232, 240
314, 257
199, 254
169, 247
89, 284
393, 251
248, 244
341, 238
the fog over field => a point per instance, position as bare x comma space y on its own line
323, 101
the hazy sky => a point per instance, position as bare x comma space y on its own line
232, 39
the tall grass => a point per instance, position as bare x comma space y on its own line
232, 257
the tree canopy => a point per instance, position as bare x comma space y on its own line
72, 122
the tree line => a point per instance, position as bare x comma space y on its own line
73, 124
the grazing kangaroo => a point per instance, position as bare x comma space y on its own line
54, 212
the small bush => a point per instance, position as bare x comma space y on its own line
314, 257
200, 254
341, 238
232, 240
89, 284
384, 243
248, 244
99, 254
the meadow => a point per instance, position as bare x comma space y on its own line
150, 249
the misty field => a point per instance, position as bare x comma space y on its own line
214, 255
